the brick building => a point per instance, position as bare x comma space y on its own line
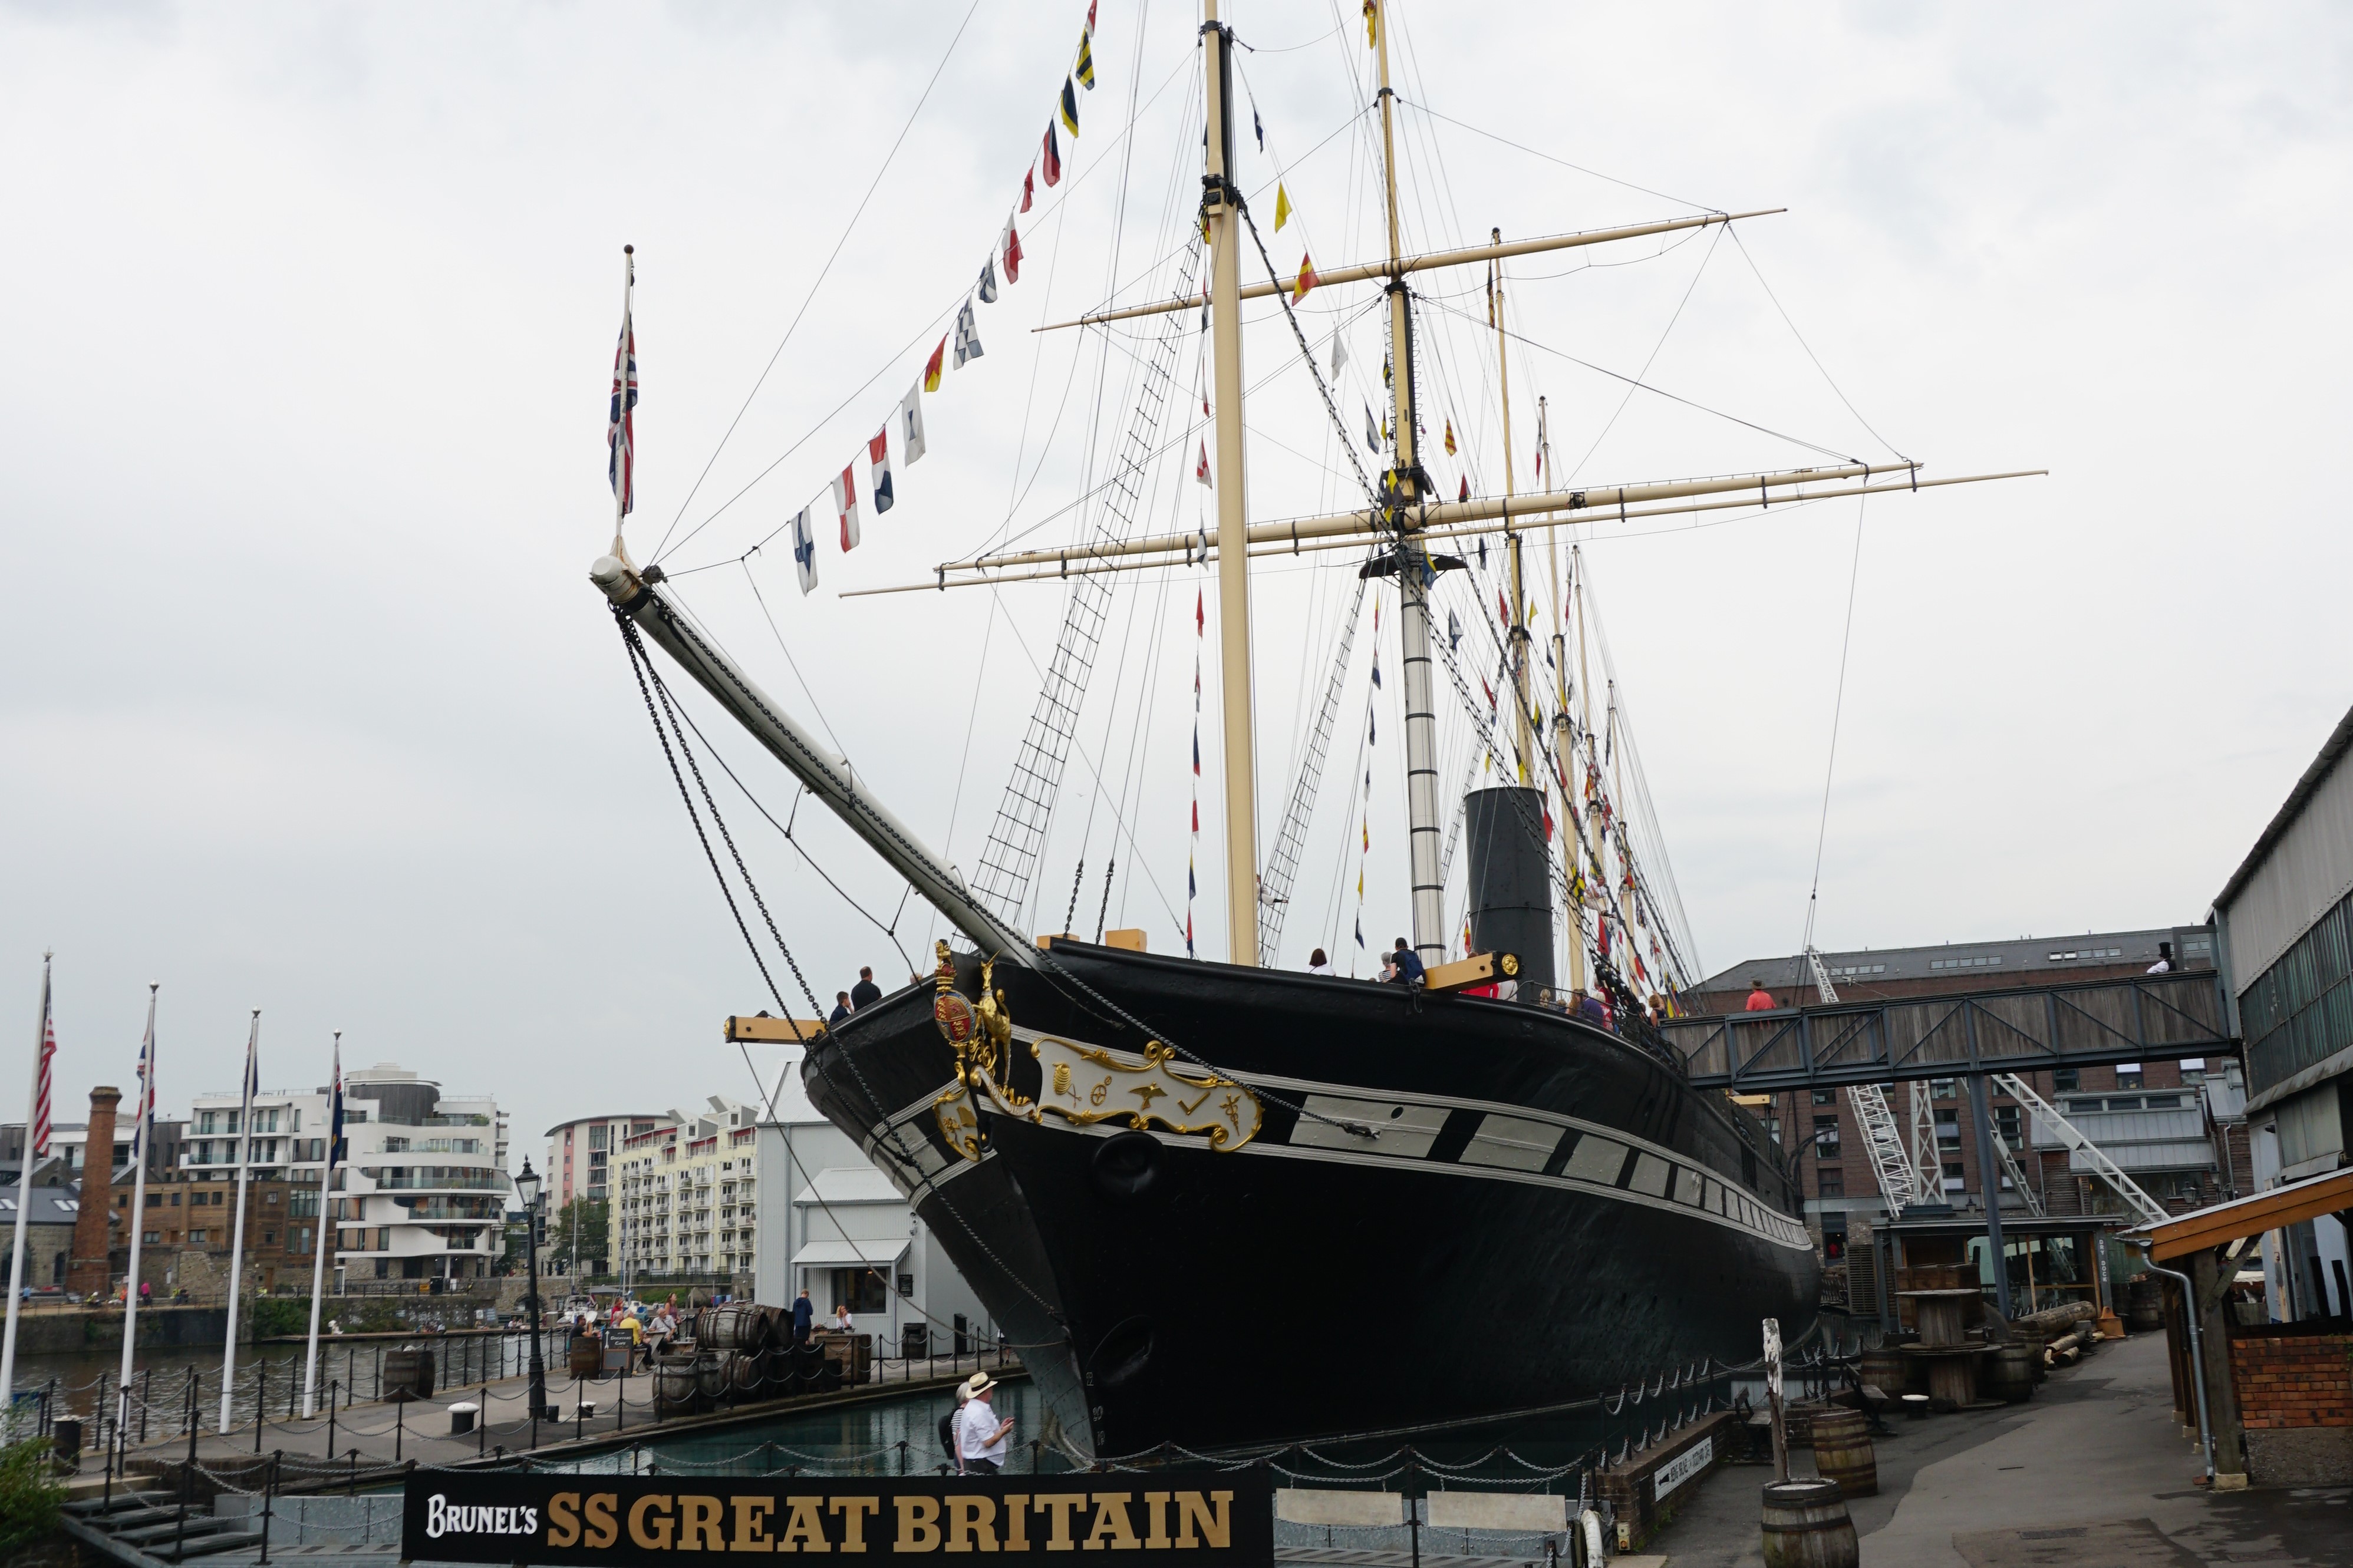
2177, 1128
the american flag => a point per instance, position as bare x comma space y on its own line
43, 1076
620, 433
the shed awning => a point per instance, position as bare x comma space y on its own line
2219, 1225
849, 1254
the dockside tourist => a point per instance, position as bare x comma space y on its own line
1759, 999
865, 993
1405, 965
950, 1420
842, 1322
1317, 964
841, 1008
804, 1317
980, 1437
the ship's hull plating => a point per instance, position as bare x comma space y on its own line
1544, 1212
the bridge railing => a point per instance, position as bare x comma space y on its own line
2027, 1028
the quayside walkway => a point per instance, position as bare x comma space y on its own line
2091, 1473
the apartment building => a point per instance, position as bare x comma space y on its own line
688, 1197
421, 1193
581, 1156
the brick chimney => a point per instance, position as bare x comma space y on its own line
86, 1272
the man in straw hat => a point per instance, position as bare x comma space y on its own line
980, 1435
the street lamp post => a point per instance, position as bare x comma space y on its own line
527, 1189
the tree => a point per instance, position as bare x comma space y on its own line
588, 1223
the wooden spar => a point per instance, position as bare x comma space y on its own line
1221, 208
1440, 515
1564, 739
1398, 266
1059, 564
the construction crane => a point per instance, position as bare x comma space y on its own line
1904, 1179
2147, 1209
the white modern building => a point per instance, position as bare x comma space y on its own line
778, 1206
422, 1189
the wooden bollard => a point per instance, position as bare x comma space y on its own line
1806, 1526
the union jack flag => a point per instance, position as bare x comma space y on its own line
620, 432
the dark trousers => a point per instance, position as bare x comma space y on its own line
981, 1467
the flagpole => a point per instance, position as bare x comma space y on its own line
236, 1244
24, 1196
146, 1114
624, 470
319, 1252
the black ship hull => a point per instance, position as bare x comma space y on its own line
1425, 1209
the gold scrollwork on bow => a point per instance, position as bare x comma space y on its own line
1087, 1084
982, 1034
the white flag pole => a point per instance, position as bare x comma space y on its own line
236, 1245
318, 1253
138, 1212
23, 1199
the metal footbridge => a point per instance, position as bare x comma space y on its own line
2022, 1029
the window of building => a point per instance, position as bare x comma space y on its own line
1949, 1129
2006, 1122
1824, 1096
1831, 1183
1981, 962
1955, 1179
1826, 1137
2128, 1075
863, 1288
152, 1237
1941, 1087
195, 1238
268, 1239
2063, 1079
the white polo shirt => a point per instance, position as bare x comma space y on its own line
976, 1425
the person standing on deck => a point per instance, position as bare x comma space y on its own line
840, 1013
1317, 964
1759, 999
865, 994
804, 1318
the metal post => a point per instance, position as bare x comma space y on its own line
1990, 1184
399, 1427
261, 1403
146, 1397
268, 1498
331, 1419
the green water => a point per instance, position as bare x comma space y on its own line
846, 1439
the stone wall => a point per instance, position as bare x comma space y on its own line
1631, 1489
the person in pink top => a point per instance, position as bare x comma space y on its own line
1759, 999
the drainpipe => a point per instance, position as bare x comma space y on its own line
2197, 1354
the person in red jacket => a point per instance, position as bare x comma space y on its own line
1759, 999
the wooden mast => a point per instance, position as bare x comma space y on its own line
1523, 732
1404, 500
1564, 731
1222, 211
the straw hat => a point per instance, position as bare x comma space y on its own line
978, 1384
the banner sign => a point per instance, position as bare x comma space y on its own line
1204, 1518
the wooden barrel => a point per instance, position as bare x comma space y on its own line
1806, 1526
2145, 1306
748, 1375
737, 1326
710, 1374
674, 1385
586, 1356
1885, 1371
2034, 1339
1843, 1453
407, 1374
2007, 1374
1797, 1421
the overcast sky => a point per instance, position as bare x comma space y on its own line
310, 317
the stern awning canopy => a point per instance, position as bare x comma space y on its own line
2219, 1225
850, 1254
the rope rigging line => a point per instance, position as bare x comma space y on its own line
1838, 708
811, 298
